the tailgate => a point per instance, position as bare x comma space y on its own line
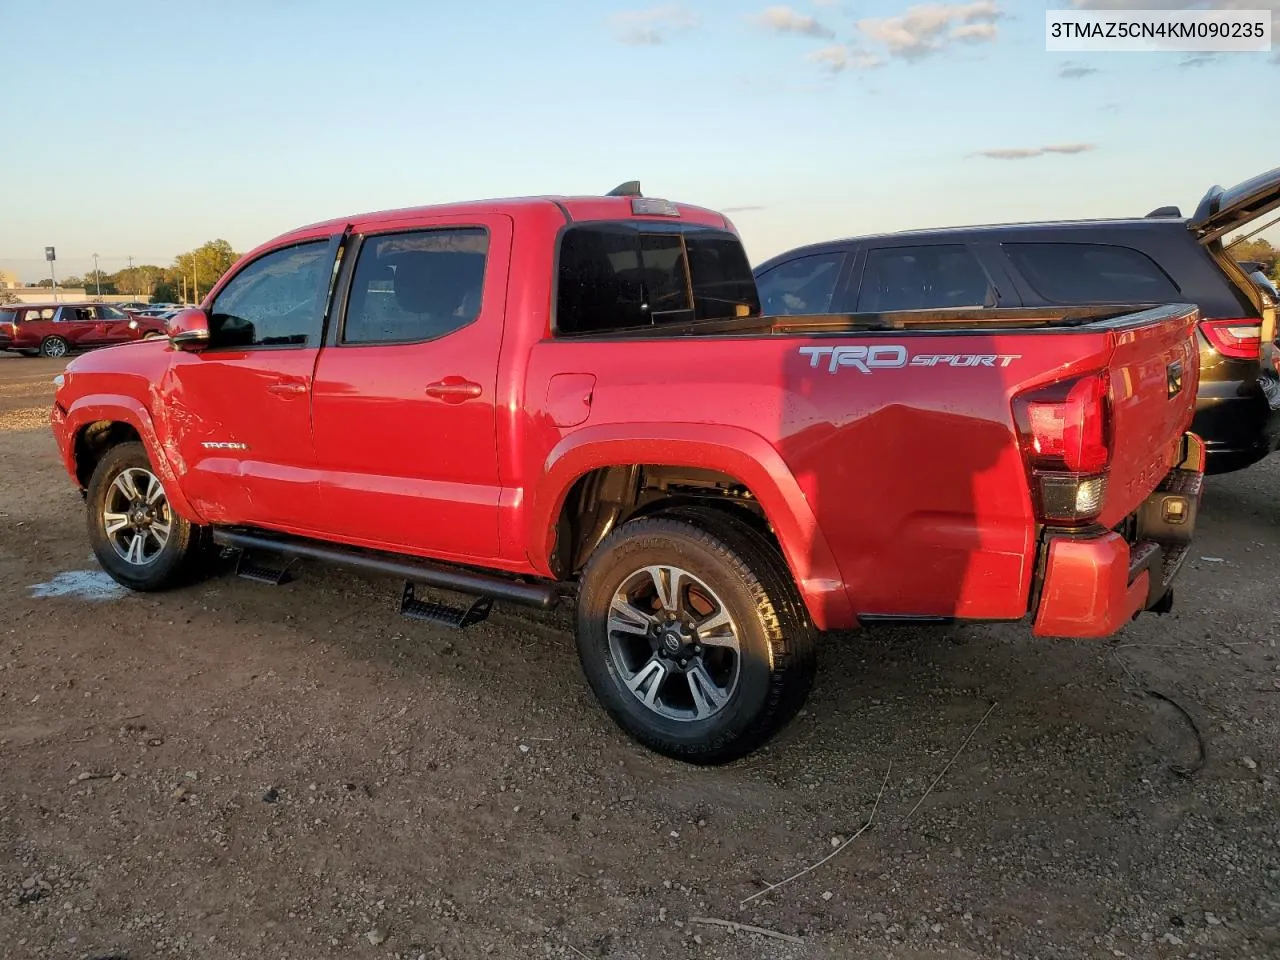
1155, 372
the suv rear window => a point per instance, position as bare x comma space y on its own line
617, 276
1090, 273
932, 277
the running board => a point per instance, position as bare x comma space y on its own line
444, 614
247, 568
543, 595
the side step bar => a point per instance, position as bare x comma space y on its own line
544, 596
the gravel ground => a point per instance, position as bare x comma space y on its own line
235, 770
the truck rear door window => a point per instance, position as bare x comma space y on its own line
618, 277
1090, 273
929, 277
417, 285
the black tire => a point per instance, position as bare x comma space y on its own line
54, 348
172, 564
746, 572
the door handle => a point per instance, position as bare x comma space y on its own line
288, 389
454, 389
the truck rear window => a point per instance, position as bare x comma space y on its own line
621, 276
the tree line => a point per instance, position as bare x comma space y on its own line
190, 277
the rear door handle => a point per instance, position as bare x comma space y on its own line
288, 389
454, 389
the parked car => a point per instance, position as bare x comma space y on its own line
1159, 258
55, 329
527, 400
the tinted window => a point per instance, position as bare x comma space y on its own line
614, 276
8, 316
416, 286
274, 301
923, 278
801, 286
1090, 273
111, 313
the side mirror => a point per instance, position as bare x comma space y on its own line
189, 329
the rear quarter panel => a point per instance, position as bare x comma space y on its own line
908, 483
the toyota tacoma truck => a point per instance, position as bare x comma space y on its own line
578, 399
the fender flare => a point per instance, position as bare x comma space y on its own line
735, 451
94, 408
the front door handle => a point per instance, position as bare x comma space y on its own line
454, 389
288, 389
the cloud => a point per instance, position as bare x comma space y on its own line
653, 26
838, 58
1198, 60
786, 20
1074, 71
929, 27
746, 209
1026, 153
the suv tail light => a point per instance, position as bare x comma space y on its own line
1239, 339
1065, 432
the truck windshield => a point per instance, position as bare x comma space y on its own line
622, 276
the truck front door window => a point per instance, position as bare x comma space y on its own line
273, 301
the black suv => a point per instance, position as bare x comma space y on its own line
1161, 258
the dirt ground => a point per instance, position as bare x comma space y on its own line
235, 770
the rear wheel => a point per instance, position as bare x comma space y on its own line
134, 532
53, 347
693, 636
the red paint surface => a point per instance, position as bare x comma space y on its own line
899, 491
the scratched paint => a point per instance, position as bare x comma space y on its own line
91, 585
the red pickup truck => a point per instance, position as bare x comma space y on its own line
542, 399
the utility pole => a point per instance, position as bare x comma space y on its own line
195, 286
97, 276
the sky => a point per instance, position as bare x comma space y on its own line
144, 129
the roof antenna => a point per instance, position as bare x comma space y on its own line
629, 189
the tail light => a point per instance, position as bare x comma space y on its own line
1065, 433
1238, 339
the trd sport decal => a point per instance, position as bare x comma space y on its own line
892, 356
224, 445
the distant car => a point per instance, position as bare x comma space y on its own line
1163, 257
55, 329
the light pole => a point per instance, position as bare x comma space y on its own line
97, 277
50, 254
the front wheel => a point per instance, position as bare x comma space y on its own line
134, 532
53, 347
693, 637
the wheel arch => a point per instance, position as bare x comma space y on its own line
97, 424
621, 454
